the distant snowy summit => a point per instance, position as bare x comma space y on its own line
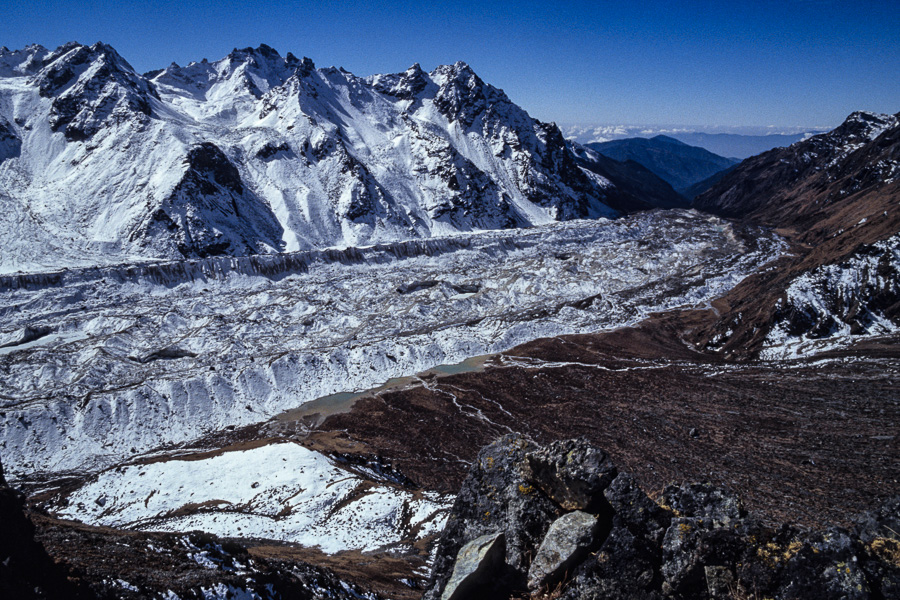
259, 153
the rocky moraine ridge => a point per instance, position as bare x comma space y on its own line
560, 521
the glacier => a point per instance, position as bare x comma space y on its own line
106, 363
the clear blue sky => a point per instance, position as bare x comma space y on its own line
785, 63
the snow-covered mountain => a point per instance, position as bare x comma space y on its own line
258, 153
836, 195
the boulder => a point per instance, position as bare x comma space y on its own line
572, 473
704, 501
708, 531
568, 541
883, 522
697, 543
627, 565
635, 511
625, 568
879, 530
477, 566
496, 498
827, 566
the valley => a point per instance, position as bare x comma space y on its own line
260, 318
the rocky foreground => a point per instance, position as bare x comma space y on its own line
41, 557
557, 521
561, 521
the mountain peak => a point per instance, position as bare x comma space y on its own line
261, 50
668, 140
865, 124
26, 61
91, 86
459, 70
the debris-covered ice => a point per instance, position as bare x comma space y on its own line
140, 356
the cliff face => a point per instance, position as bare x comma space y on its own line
561, 521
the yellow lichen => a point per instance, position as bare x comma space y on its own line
772, 553
887, 549
525, 489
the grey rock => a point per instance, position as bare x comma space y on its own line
572, 473
569, 539
625, 568
710, 530
627, 565
883, 522
496, 497
635, 511
824, 565
704, 501
719, 581
476, 567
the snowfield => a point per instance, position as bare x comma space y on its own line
833, 306
104, 364
280, 491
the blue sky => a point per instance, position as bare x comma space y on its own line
785, 63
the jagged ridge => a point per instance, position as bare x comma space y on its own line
260, 153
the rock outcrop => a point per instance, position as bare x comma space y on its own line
694, 541
26, 571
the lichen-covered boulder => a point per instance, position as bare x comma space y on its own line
824, 565
708, 531
568, 541
571, 472
698, 542
627, 565
712, 504
635, 511
476, 567
879, 531
496, 498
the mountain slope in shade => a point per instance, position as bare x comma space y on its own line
835, 196
675, 162
260, 153
698, 188
736, 145
822, 183
638, 187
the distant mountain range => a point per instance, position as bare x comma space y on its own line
729, 143
673, 161
259, 153
738, 145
